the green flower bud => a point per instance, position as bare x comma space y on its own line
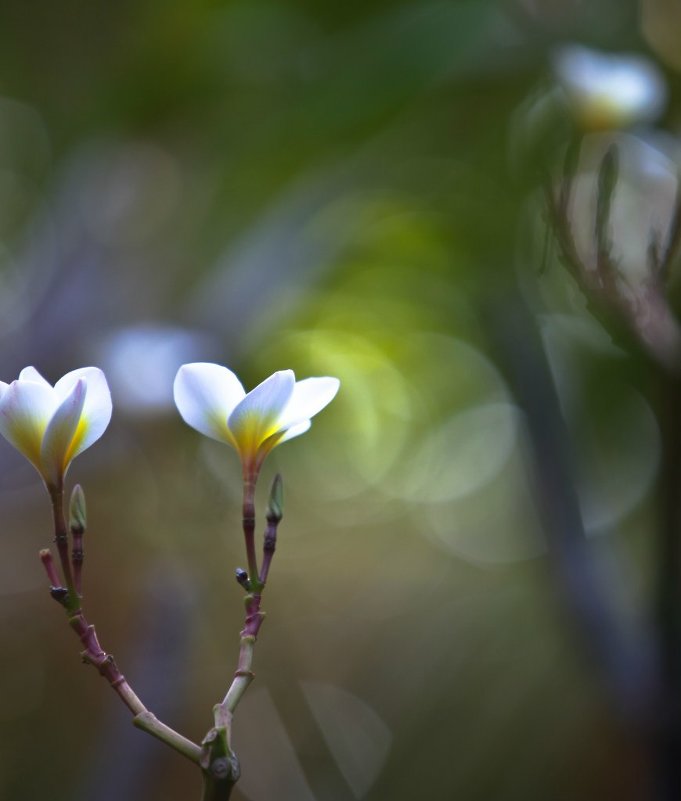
275, 505
77, 511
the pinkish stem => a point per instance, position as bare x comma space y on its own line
93, 652
219, 762
77, 556
50, 569
95, 655
249, 524
243, 675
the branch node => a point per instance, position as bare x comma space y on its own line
249, 674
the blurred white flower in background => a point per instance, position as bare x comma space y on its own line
142, 360
609, 91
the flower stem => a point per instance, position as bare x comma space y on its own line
93, 652
243, 675
77, 555
249, 526
105, 664
149, 723
219, 763
71, 600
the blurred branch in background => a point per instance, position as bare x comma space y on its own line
642, 303
612, 93
620, 647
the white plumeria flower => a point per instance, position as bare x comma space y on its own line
610, 91
212, 400
51, 425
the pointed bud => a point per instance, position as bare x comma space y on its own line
77, 511
60, 594
275, 505
242, 578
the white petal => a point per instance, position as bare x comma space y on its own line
31, 374
56, 451
96, 408
3, 388
67, 382
309, 397
255, 417
295, 431
205, 394
25, 410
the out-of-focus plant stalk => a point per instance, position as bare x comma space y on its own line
646, 309
668, 595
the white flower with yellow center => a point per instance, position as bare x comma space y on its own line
212, 400
51, 425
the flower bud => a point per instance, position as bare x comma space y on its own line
275, 505
77, 511
242, 578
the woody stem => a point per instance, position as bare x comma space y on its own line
93, 652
